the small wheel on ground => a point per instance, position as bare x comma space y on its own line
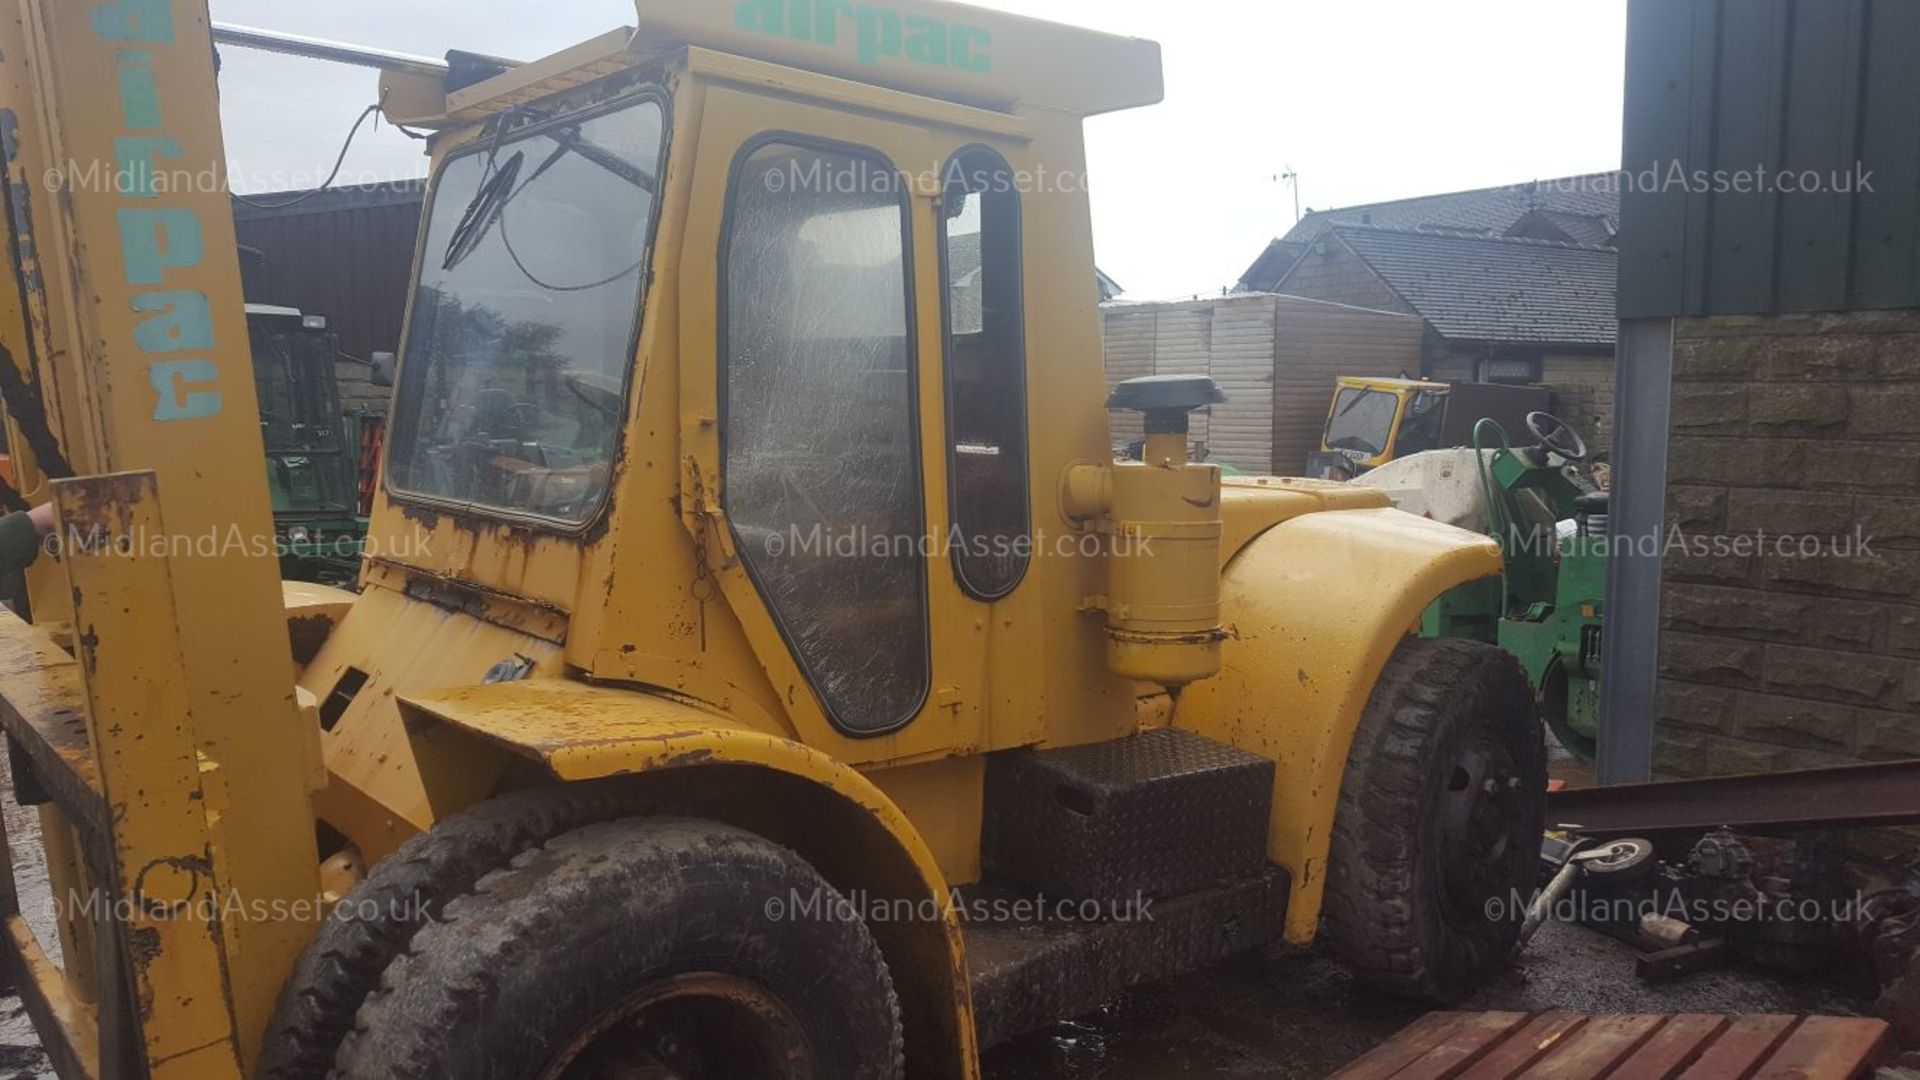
1625, 861
648, 947
405, 891
1436, 841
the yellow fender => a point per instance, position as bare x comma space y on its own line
716, 765
1316, 606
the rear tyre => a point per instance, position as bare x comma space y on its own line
1436, 841
643, 947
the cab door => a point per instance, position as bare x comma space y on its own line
815, 420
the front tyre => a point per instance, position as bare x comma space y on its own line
643, 947
1437, 837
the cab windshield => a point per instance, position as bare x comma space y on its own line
293, 375
514, 371
1362, 421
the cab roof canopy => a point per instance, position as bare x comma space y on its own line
950, 51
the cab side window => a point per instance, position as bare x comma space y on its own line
985, 374
822, 473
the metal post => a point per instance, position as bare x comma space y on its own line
1636, 526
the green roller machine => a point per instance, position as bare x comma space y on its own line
1551, 523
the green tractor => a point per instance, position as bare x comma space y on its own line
1550, 518
312, 446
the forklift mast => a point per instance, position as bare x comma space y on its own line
166, 755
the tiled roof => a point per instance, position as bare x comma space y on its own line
1492, 288
1594, 229
1483, 211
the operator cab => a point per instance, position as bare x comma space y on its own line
720, 343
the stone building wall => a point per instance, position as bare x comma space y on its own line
1582, 386
1776, 653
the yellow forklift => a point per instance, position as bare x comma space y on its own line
762, 667
1376, 420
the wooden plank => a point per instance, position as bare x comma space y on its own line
1743, 1045
1403, 1049
1468, 1042
1672, 1048
1828, 1048
1575, 1046
1526, 1046
1594, 1051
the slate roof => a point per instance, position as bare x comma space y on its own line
1494, 288
1594, 229
1482, 211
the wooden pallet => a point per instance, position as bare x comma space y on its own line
1627, 1046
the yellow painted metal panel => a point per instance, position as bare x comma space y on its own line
943, 799
385, 785
582, 732
1318, 604
810, 86
173, 917
944, 50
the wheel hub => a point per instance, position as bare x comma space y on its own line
1479, 808
698, 1026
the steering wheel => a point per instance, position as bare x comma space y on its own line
1557, 435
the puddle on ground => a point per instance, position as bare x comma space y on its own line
1298, 1014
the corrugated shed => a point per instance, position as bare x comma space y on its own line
345, 253
1772, 159
1275, 356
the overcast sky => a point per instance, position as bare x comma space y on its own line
1366, 99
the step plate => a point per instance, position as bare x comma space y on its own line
1028, 973
1157, 814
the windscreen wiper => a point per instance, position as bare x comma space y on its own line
607, 159
490, 202
483, 210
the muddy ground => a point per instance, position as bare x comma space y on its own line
1286, 1014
